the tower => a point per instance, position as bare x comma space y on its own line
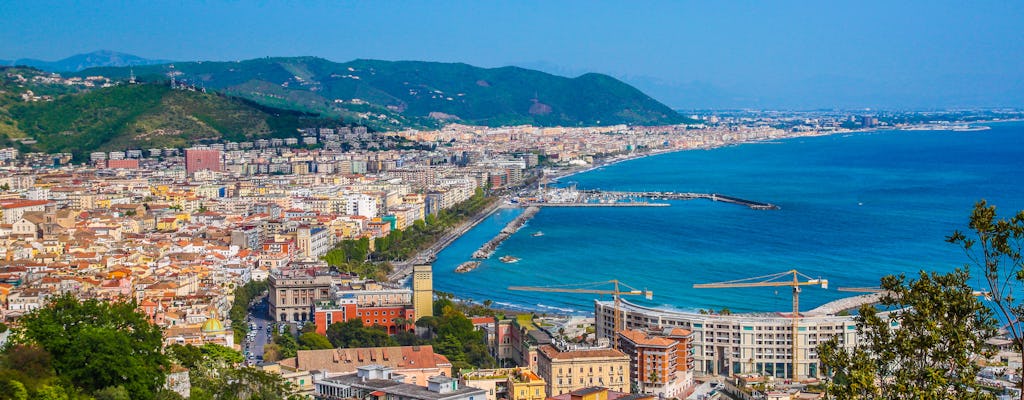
422, 291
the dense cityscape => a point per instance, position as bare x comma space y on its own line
511, 201
186, 233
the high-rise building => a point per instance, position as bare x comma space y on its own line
203, 159
423, 291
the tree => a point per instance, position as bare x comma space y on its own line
98, 344
924, 342
995, 250
314, 341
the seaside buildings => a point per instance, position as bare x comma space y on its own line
740, 343
660, 364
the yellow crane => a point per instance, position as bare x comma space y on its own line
592, 288
775, 280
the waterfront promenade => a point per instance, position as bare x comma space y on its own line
402, 269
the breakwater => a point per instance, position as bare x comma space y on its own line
488, 248
756, 205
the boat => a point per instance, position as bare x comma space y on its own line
508, 259
467, 266
537, 234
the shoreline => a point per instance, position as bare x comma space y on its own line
559, 174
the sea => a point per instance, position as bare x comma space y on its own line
854, 208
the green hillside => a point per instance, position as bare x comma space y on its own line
143, 116
390, 94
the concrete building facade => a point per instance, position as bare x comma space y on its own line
565, 371
739, 343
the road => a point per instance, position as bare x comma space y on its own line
258, 315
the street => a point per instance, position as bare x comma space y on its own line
252, 346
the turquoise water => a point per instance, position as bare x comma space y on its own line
854, 208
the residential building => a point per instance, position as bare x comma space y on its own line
565, 371
507, 383
654, 364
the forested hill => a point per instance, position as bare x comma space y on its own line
140, 116
390, 94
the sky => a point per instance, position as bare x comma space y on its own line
689, 55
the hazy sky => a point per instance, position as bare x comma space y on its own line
775, 54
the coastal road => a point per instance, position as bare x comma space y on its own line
402, 269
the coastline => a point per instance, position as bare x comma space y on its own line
560, 174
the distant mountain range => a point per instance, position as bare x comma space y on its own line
78, 62
395, 94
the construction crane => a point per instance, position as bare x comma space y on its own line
592, 288
774, 280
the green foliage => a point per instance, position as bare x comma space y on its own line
97, 344
352, 333
112, 393
995, 249
240, 307
455, 336
215, 374
314, 341
287, 345
924, 343
495, 96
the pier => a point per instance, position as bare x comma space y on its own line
587, 195
488, 248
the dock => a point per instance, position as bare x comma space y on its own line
600, 194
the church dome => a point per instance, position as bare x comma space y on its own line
212, 325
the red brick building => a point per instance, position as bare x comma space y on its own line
123, 164
391, 317
203, 159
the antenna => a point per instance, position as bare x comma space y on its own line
131, 76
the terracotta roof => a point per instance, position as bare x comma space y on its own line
347, 360
551, 352
642, 339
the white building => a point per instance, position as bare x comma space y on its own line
740, 343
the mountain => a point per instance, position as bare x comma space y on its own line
78, 62
141, 116
389, 93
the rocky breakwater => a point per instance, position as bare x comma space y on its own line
488, 248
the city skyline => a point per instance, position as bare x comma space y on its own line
687, 55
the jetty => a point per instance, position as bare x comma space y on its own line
589, 195
467, 266
488, 248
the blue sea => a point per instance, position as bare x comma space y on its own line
855, 207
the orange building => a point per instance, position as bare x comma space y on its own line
654, 361
391, 317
